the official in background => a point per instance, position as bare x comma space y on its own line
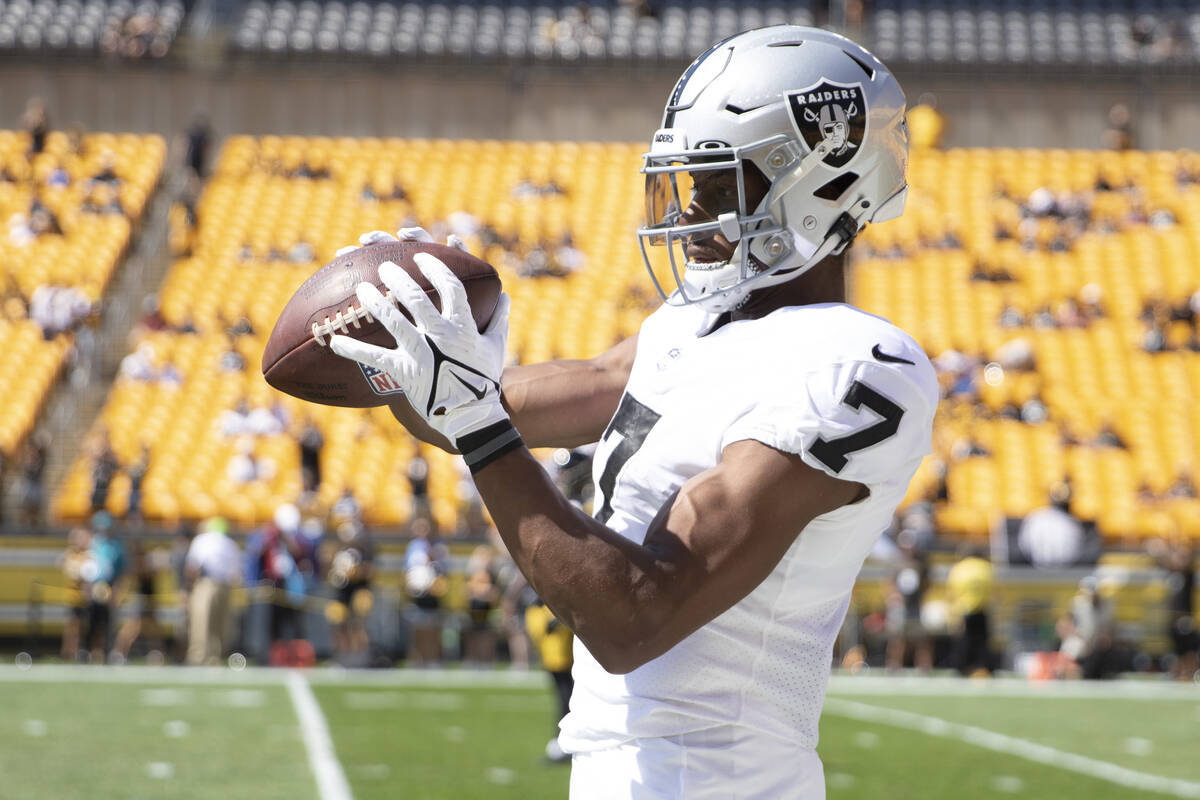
212, 566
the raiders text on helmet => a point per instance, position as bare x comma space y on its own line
823, 121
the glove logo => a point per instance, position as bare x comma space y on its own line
833, 113
479, 393
380, 382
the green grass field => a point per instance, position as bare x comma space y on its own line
152, 733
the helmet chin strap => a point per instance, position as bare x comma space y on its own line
839, 237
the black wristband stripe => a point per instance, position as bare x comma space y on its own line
482, 447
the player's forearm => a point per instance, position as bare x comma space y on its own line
563, 403
609, 590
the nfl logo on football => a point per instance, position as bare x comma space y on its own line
379, 381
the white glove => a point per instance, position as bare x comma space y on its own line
449, 371
402, 235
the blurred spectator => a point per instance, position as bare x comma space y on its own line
1177, 558
58, 309
144, 569
482, 598
36, 123
246, 466
1119, 133
1183, 488
1088, 631
515, 597
904, 627
310, 441
1052, 536
470, 517
231, 360
279, 563
137, 474
74, 564
58, 178
969, 586
106, 172
106, 566
346, 509
350, 573
140, 364
925, 125
181, 542
103, 198
104, 469
418, 482
199, 137
553, 641
31, 490
211, 570
425, 563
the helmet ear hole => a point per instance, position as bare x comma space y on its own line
837, 187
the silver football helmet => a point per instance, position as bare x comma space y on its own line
808, 116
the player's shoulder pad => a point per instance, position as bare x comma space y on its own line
858, 403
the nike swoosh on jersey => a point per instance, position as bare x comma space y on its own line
882, 356
479, 393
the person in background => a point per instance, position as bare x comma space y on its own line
351, 570
199, 135
553, 641
424, 577
31, 490
104, 469
1052, 536
36, 122
1088, 631
346, 509
181, 542
904, 625
144, 621
926, 125
310, 441
276, 559
969, 586
418, 481
103, 572
482, 598
211, 570
137, 474
74, 563
1176, 557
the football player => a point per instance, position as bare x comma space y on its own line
755, 437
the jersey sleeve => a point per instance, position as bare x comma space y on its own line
858, 421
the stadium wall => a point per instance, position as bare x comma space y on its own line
532, 102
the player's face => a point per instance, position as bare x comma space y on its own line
715, 192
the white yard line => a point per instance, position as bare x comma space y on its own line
1011, 745
1011, 687
331, 779
251, 676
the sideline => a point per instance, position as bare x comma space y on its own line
839, 684
273, 676
1011, 745
331, 778
920, 685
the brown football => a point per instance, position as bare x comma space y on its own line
297, 359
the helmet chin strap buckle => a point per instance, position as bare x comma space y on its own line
731, 229
845, 228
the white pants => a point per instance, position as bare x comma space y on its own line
699, 766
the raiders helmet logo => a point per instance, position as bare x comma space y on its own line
833, 113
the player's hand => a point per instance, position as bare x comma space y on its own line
402, 235
449, 371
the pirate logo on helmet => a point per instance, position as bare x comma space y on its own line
831, 113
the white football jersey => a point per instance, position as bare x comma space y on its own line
852, 395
